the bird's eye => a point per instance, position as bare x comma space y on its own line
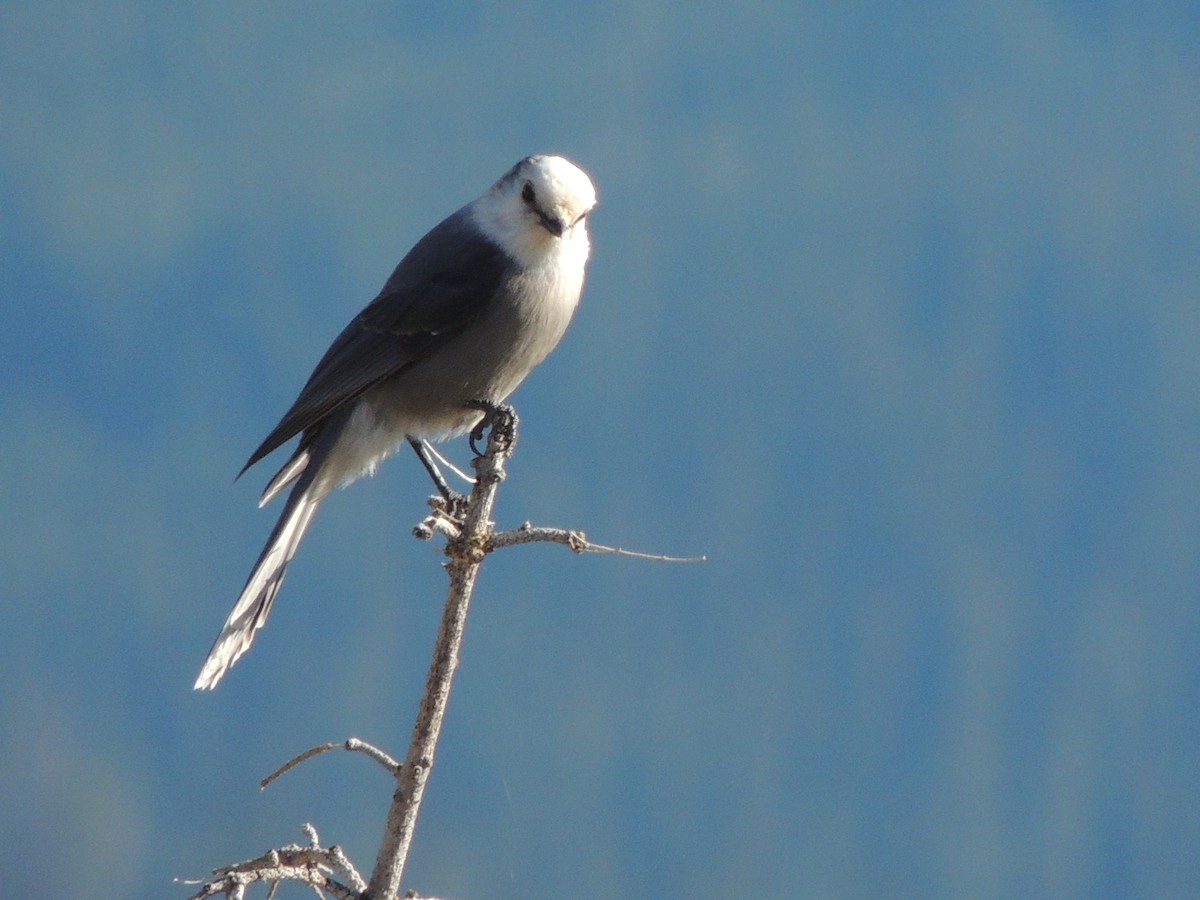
527, 194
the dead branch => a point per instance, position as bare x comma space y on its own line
470, 536
577, 541
318, 867
466, 550
352, 744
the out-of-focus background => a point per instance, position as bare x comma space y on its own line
892, 313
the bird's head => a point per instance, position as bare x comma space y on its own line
538, 206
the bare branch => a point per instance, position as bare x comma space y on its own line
467, 525
295, 761
352, 744
340, 863
577, 541
355, 745
466, 547
440, 521
637, 554
312, 865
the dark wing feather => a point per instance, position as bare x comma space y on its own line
444, 283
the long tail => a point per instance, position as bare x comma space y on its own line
250, 612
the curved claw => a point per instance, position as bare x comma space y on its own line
477, 435
501, 417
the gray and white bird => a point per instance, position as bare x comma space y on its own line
476, 304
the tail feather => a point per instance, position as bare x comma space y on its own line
285, 476
250, 612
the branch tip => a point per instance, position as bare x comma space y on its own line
576, 541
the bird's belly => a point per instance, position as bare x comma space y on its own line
487, 361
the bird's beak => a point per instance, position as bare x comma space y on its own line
556, 226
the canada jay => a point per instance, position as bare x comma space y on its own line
468, 313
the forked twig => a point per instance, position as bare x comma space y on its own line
313, 865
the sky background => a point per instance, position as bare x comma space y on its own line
892, 312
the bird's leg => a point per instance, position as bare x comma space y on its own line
500, 416
453, 498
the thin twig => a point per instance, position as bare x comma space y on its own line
358, 746
295, 761
577, 541
352, 744
637, 554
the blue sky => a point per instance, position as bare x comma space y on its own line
892, 313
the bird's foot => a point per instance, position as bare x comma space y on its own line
447, 517
453, 506
502, 419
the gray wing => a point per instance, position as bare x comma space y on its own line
444, 283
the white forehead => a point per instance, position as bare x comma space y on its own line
560, 180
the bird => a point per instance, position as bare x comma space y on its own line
468, 313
